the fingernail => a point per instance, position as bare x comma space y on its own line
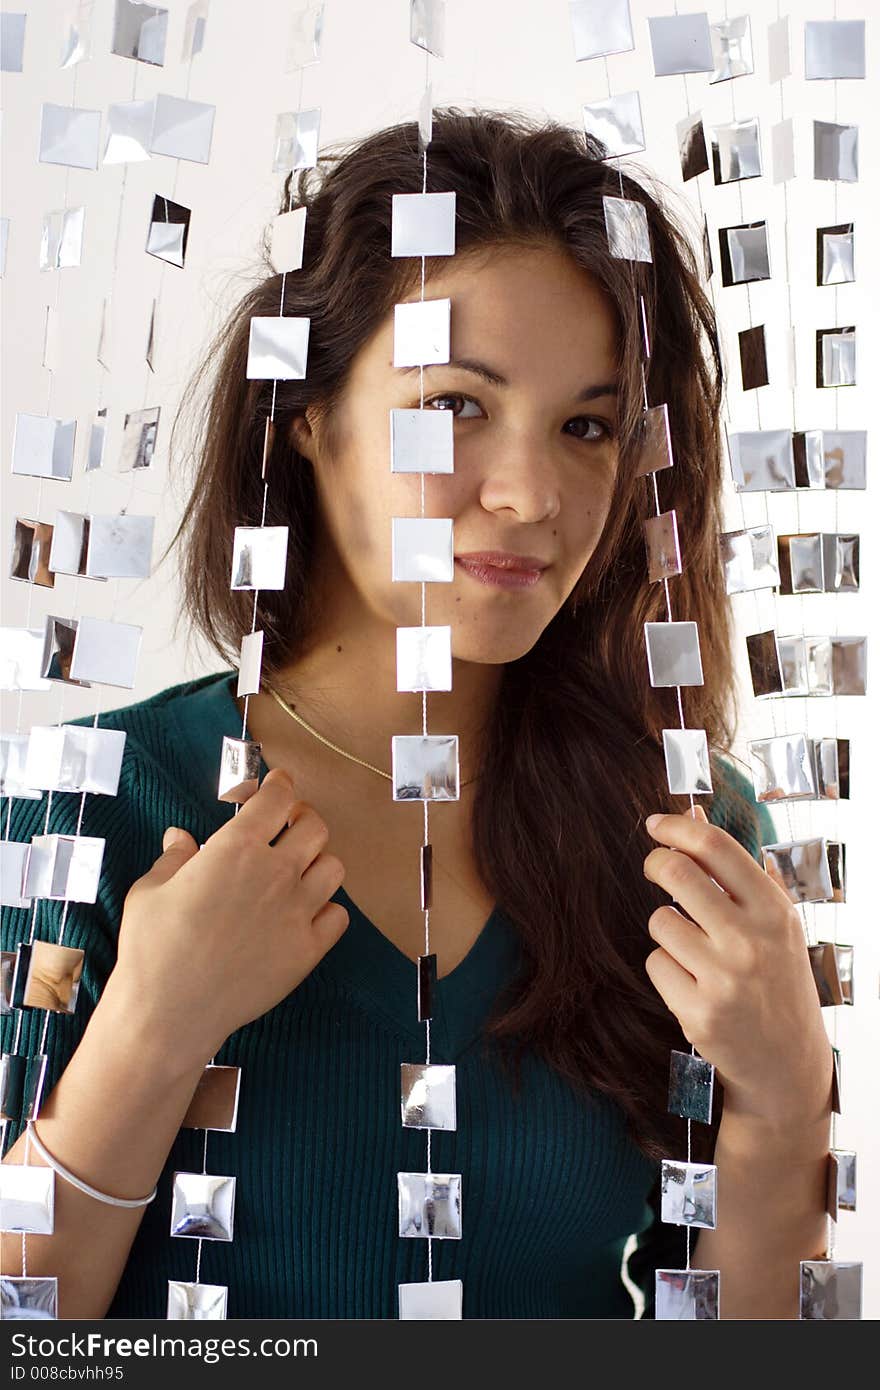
171, 834
651, 821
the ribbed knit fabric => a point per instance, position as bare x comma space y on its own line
551, 1187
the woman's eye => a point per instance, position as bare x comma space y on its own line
603, 430
452, 396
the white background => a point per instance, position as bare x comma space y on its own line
499, 53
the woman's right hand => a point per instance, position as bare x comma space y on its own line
212, 938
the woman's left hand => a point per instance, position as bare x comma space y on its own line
738, 976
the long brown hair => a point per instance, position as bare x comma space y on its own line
572, 761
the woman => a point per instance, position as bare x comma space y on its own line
565, 975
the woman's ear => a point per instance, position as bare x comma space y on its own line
302, 436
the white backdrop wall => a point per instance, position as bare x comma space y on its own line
500, 53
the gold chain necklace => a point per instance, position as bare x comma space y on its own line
335, 746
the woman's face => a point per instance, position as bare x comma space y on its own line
534, 463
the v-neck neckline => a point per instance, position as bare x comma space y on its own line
364, 959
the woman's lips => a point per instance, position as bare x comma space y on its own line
501, 578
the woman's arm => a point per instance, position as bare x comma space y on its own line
111, 1120
771, 1213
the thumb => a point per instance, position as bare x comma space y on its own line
177, 847
698, 810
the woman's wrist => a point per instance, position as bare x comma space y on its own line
147, 1035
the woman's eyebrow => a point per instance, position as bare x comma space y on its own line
470, 364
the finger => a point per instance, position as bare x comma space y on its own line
685, 941
178, 846
266, 812
692, 888
721, 856
676, 986
303, 838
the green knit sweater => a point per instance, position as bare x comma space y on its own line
551, 1190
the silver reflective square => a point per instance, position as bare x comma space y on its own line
686, 1294
13, 759
422, 224
424, 658
626, 225
13, 858
841, 1194
139, 31
435, 1298
22, 1297
194, 30
427, 1096
845, 458
427, 25
801, 869
745, 254
250, 663
691, 1082
835, 152
59, 636
75, 758
278, 348
656, 448
27, 1198
782, 768
421, 549
762, 460
106, 652
259, 557
687, 1193
831, 767
736, 151
834, 48
69, 135
239, 769
749, 559
421, 441
421, 332
296, 140
692, 151
21, 1083
7, 962
43, 446
731, 41
304, 41
598, 30
681, 43
31, 547
809, 462
426, 119
840, 562
424, 768
119, 546
778, 50
129, 131
782, 150
664, 551
196, 1302
12, 30
214, 1104
46, 975
64, 866
687, 761
836, 357
168, 231
286, 240
429, 1204
800, 564
182, 129
832, 967
849, 658
830, 1290
617, 122
673, 654
21, 659
139, 431
69, 540
835, 254
202, 1205
61, 238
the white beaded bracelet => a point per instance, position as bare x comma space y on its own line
62, 1172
